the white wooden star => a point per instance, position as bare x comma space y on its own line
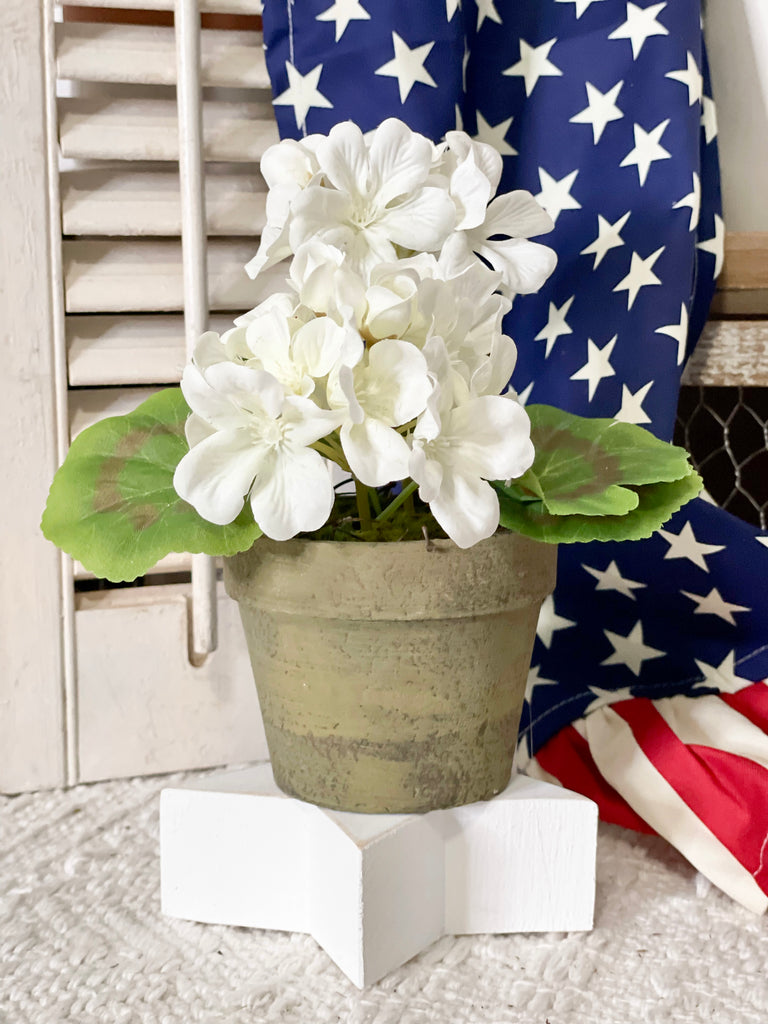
487, 9
555, 196
630, 650
342, 12
641, 23
534, 64
556, 325
692, 200
407, 66
550, 622
600, 109
606, 697
716, 245
709, 118
691, 78
632, 410
598, 365
611, 579
302, 93
647, 150
608, 237
685, 545
534, 680
495, 134
640, 275
581, 5
678, 332
722, 676
713, 604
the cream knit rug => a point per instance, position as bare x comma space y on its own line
82, 941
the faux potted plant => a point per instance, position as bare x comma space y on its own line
388, 510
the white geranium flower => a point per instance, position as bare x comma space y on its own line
387, 389
459, 447
248, 440
374, 196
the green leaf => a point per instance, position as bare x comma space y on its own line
656, 503
594, 466
112, 504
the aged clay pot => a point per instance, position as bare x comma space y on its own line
391, 677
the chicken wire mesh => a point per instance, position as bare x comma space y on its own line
725, 429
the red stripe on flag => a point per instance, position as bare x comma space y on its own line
751, 702
568, 758
727, 792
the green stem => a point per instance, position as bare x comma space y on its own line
393, 506
373, 494
363, 508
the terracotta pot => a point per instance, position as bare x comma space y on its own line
391, 677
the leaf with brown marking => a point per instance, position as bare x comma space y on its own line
112, 504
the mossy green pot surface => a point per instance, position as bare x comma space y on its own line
391, 676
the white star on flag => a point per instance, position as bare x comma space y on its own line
581, 5
630, 650
608, 238
723, 677
690, 76
342, 12
550, 622
762, 540
451, 6
709, 118
611, 579
556, 325
641, 23
713, 604
640, 275
534, 680
632, 410
648, 150
494, 135
302, 93
606, 697
407, 66
487, 9
685, 545
678, 332
534, 64
555, 196
597, 366
692, 200
716, 244
525, 394
600, 109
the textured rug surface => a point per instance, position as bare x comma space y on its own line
82, 940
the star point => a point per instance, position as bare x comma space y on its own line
678, 332
342, 12
555, 196
713, 604
611, 579
600, 109
606, 697
722, 676
608, 237
640, 275
693, 201
534, 680
302, 93
716, 245
685, 545
709, 118
550, 622
495, 135
534, 64
631, 650
487, 9
647, 150
597, 367
632, 410
581, 5
407, 66
691, 78
556, 325
640, 25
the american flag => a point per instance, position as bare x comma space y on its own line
646, 689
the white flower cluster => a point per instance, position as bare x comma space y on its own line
385, 352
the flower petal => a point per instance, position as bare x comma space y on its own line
396, 385
471, 191
293, 493
486, 157
320, 344
376, 453
518, 215
304, 423
207, 403
467, 508
216, 475
490, 437
400, 160
255, 391
525, 266
428, 473
422, 222
344, 159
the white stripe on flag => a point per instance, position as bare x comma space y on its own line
709, 722
627, 768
